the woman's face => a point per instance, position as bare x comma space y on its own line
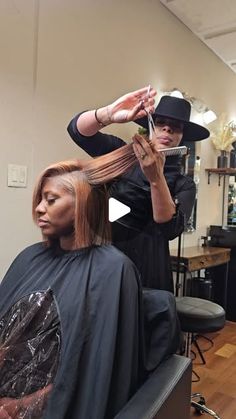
169, 132
56, 212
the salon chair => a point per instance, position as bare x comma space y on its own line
165, 395
166, 392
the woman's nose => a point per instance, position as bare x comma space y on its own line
41, 208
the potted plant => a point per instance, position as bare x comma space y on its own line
223, 138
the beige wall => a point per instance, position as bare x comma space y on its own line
62, 56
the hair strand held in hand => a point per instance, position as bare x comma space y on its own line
105, 168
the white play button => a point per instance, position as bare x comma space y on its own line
116, 209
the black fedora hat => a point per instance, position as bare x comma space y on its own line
178, 109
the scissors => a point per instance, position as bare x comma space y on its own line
151, 125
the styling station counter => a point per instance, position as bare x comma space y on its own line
214, 259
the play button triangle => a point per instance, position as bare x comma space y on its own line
116, 209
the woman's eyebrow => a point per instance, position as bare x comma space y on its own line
49, 192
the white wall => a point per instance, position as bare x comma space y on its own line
62, 56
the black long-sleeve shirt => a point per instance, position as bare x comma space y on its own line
137, 234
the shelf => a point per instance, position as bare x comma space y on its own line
226, 171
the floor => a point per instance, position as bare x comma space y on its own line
218, 377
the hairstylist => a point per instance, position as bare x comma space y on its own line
160, 197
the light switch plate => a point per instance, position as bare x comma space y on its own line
17, 176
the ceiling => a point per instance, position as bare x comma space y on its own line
212, 21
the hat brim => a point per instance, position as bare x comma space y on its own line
191, 131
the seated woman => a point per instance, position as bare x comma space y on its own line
71, 317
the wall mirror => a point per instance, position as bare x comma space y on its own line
231, 203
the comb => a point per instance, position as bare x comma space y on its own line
174, 151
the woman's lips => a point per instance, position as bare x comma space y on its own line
42, 223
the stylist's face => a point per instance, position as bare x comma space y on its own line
169, 132
56, 210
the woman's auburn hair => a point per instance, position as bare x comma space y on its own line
86, 180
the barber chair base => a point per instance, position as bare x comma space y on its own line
200, 406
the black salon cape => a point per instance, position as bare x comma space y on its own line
97, 293
143, 240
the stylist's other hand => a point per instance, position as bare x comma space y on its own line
150, 159
131, 106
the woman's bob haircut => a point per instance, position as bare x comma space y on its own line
91, 224
85, 180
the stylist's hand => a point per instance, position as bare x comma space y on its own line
131, 106
150, 159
